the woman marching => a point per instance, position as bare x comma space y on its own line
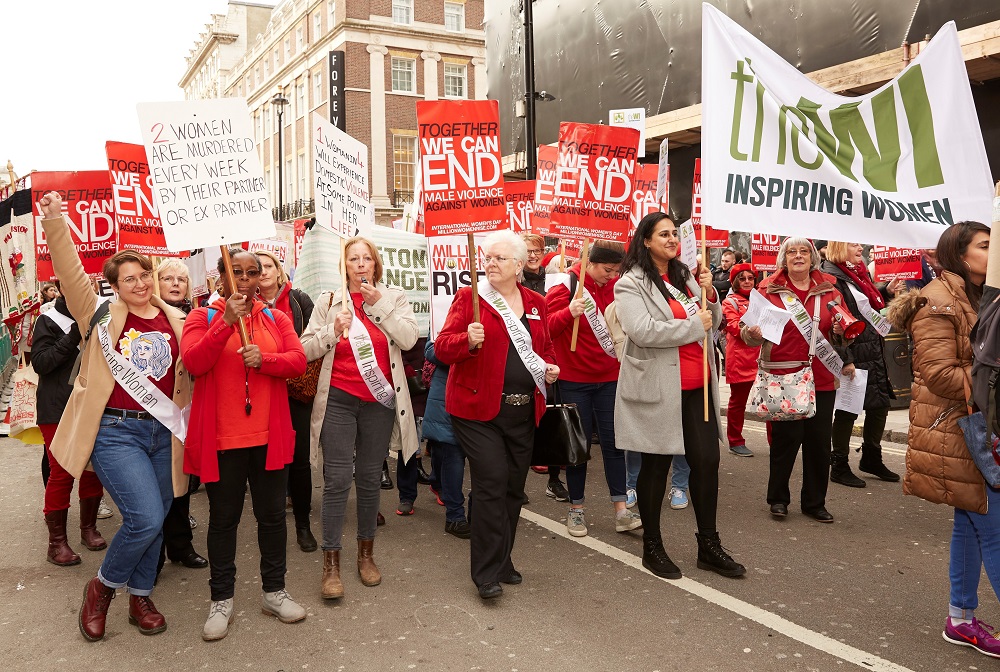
741, 359
662, 377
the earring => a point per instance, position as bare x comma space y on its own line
967, 265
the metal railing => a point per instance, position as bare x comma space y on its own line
293, 210
401, 197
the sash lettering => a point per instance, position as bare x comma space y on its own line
803, 321
872, 316
597, 322
364, 357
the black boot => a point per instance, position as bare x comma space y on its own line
386, 482
304, 537
840, 472
713, 557
871, 463
423, 478
656, 560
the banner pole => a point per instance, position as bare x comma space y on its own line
343, 279
584, 258
475, 279
227, 263
562, 255
156, 276
993, 261
704, 306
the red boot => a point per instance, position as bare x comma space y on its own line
94, 611
59, 551
142, 613
89, 535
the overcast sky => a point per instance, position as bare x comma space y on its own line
73, 71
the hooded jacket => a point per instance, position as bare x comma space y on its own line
53, 353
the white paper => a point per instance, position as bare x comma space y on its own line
851, 394
770, 318
689, 245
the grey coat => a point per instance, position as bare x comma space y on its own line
648, 401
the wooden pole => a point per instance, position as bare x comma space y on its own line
156, 275
993, 262
704, 306
475, 279
343, 279
584, 258
227, 263
562, 255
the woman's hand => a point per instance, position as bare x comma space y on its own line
706, 319
342, 322
896, 286
370, 294
838, 328
251, 356
51, 205
477, 334
576, 307
848, 371
755, 333
551, 373
237, 306
705, 279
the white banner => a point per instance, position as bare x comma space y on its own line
782, 155
341, 180
448, 272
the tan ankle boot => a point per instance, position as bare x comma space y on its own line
333, 587
367, 570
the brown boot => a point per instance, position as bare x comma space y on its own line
94, 610
89, 535
367, 570
333, 587
59, 551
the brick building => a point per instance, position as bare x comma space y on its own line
395, 52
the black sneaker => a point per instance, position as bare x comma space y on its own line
713, 557
458, 528
557, 491
656, 560
386, 482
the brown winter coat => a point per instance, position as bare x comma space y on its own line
938, 465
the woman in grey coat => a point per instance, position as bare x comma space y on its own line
657, 303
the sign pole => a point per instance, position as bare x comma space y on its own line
584, 258
993, 262
562, 255
475, 279
227, 263
343, 279
704, 306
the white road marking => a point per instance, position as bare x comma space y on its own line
765, 618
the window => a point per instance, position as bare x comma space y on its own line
267, 68
249, 84
300, 167
404, 75
300, 99
331, 7
267, 180
256, 126
267, 122
454, 80
288, 49
256, 74
317, 26
289, 178
277, 59
300, 39
404, 162
402, 11
454, 17
317, 88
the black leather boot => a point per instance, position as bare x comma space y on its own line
713, 557
656, 560
840, 472
871, 463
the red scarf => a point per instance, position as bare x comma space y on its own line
859, 276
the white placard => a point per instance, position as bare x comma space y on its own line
770, 318
851, 393
341, 180
662, 176
633, 117
207, 178
689, 245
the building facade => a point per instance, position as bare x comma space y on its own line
393, 53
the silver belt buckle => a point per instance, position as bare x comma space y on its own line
517, 399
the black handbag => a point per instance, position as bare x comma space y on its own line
559, 438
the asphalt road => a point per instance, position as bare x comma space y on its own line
868, 592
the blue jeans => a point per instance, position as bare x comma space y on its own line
633, 463
975, 543
133, 460
448, 469
406, 478
596, 403
681, 475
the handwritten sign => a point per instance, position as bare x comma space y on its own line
207, 179
341, 175
520, 197
136, 215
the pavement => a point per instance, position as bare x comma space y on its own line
867, 592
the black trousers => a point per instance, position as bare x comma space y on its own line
871, 433
701, 449
499, 453
177, 535
237, 467
813, 436
300, 470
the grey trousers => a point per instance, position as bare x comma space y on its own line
357, 432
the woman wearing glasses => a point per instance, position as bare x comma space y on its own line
241, 431
496, 396
116, 429
741, 359
362, 405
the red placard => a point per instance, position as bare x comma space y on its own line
136, 214
893, 263
644, 194
520, 198
764, 252
460, 166
541, 215
714, 238
595, 176
87, 204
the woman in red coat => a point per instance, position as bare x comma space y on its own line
741, 359
496, 396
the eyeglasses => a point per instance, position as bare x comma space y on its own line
171, 279
130, 281
249, 273
535, 253
798, 252
744, 276
489, 259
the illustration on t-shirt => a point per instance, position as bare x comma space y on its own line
148, 352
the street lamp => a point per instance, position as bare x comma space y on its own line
530, 95
280, 101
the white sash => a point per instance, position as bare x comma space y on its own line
597, 322
519, 335
804, 321
140, 388
690, 307
872, 316
364, 357
63, 322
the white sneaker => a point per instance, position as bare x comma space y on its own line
576, 524
629, 520
283, 607
104, 511
220, 615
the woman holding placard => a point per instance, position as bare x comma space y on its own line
845, 262
662, 377
800, 288
362, 406
120, 417
496, 395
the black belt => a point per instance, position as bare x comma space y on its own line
516, 399
122, 413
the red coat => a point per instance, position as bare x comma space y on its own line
741, 359
589, 364
475, 380
201, 345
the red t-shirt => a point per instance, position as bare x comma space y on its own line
151, 347
692, 354
236, 429
345, 375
